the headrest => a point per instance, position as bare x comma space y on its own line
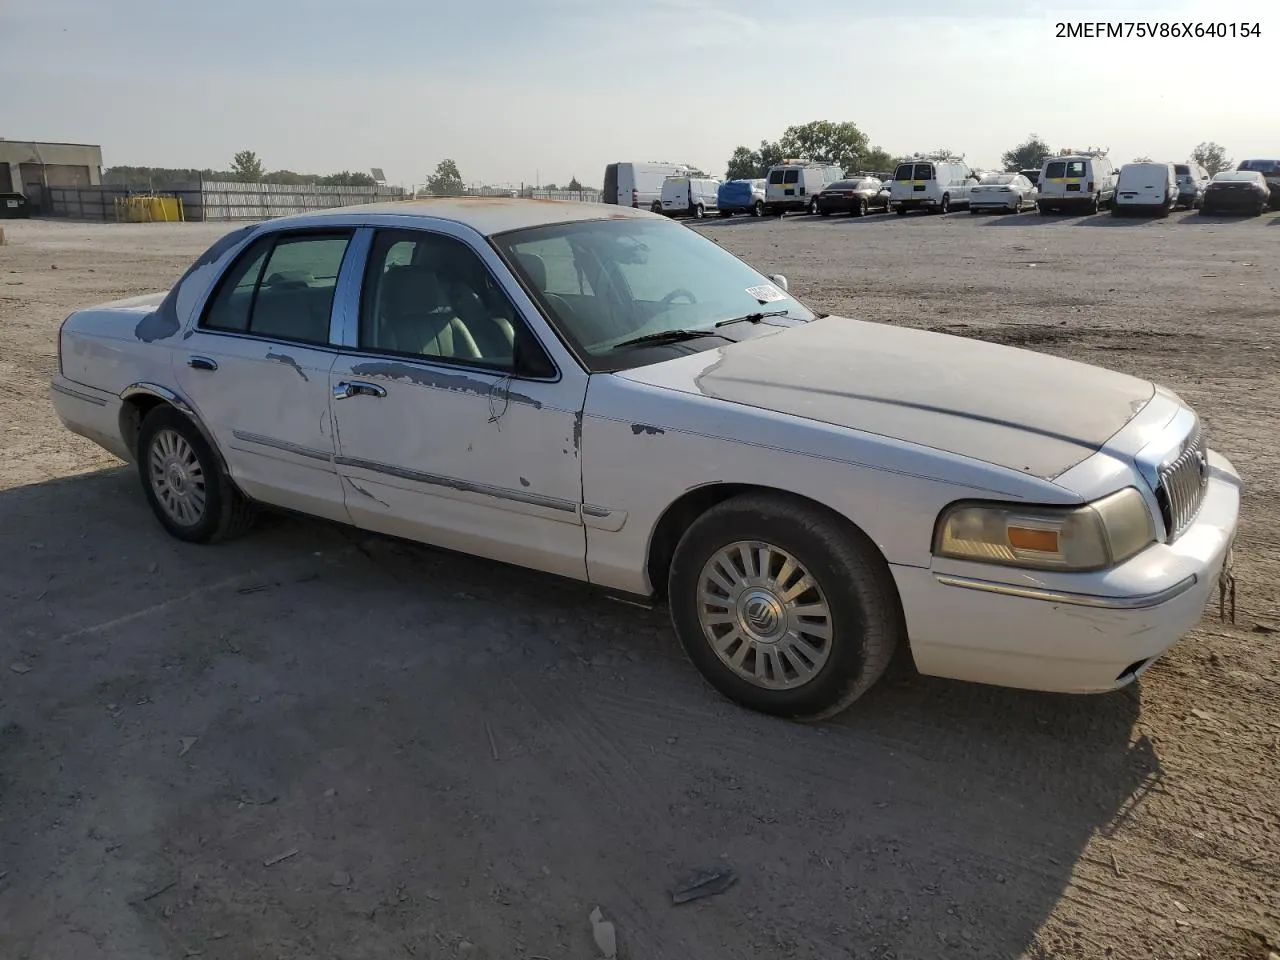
536, 270
410, 289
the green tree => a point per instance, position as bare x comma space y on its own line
246, 166
839, 143
878, 159
1026, 155
551, 187
574, 184
446, 181
348, 179
1212, 157
743, 165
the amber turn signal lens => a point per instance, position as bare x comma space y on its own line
1032, 538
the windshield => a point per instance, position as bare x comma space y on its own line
607, 281
998, 178
1237, 176
1261, 166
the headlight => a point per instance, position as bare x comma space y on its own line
1089, 537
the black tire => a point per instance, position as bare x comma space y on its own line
226, 513
757, 209
655, 207
813, 207
866, 615
699, 211
900, 210
1094, 205
945, 207
861, 209
1043, 208
973, 210
725, 214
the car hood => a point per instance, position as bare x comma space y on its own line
1015, 408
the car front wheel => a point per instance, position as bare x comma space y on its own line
813, 207
782, 608
184, 482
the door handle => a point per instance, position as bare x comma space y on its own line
355, 388
201, 363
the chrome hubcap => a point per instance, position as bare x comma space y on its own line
177, 478
764, 615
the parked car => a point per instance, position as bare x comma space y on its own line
855, 197
795, 185
741, 196
599, 393
1237, 191
639, 185
1032, 175
933, 185
1192, 181
1009, 192
1083, 184
1270, 169
689, 196
14, 206
1145, 188
885, 195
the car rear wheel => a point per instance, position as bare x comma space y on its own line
655, 207
813, 207
861, 209
900, 210
1043, 208
699, 212
184, 482
757, 209
781, 608
945, 206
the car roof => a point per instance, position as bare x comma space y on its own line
486, 215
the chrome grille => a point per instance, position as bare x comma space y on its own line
1182, 485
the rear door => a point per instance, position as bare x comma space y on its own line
256, 368
1076, 180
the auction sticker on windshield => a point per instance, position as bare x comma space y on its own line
766, 293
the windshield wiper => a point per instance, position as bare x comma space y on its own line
670, 336
752, 317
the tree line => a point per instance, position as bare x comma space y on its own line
447, 181
848, 147
245, 167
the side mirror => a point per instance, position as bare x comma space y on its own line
780, 280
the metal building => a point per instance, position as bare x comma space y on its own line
31, 168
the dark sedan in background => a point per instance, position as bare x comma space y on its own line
1237, 191
1270, 170
855, 197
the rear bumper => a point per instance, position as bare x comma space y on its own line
1244, 203
1082, 201
990, 203
1071, 633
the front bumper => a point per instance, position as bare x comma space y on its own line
1070, 633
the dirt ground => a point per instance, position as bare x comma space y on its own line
312, 744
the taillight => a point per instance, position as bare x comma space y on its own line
635, 197
1091, 186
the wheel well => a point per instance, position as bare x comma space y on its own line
681, 514
132, 412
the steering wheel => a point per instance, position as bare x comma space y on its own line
681, 292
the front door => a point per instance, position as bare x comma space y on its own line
256, 368
442, 436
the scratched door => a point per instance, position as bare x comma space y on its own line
439, 438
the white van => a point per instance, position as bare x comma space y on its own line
795, 185
936, 185
1079, 182
631, 184
1146, 188
689, 196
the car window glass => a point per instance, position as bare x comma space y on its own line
295, 293
775, 176
924, 171
791, 176
1075, 168
1055, 170
904, 171
429, 295
640, 277
230, 307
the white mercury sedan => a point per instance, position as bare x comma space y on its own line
1004, 192
602, 394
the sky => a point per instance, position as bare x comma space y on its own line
544, 90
